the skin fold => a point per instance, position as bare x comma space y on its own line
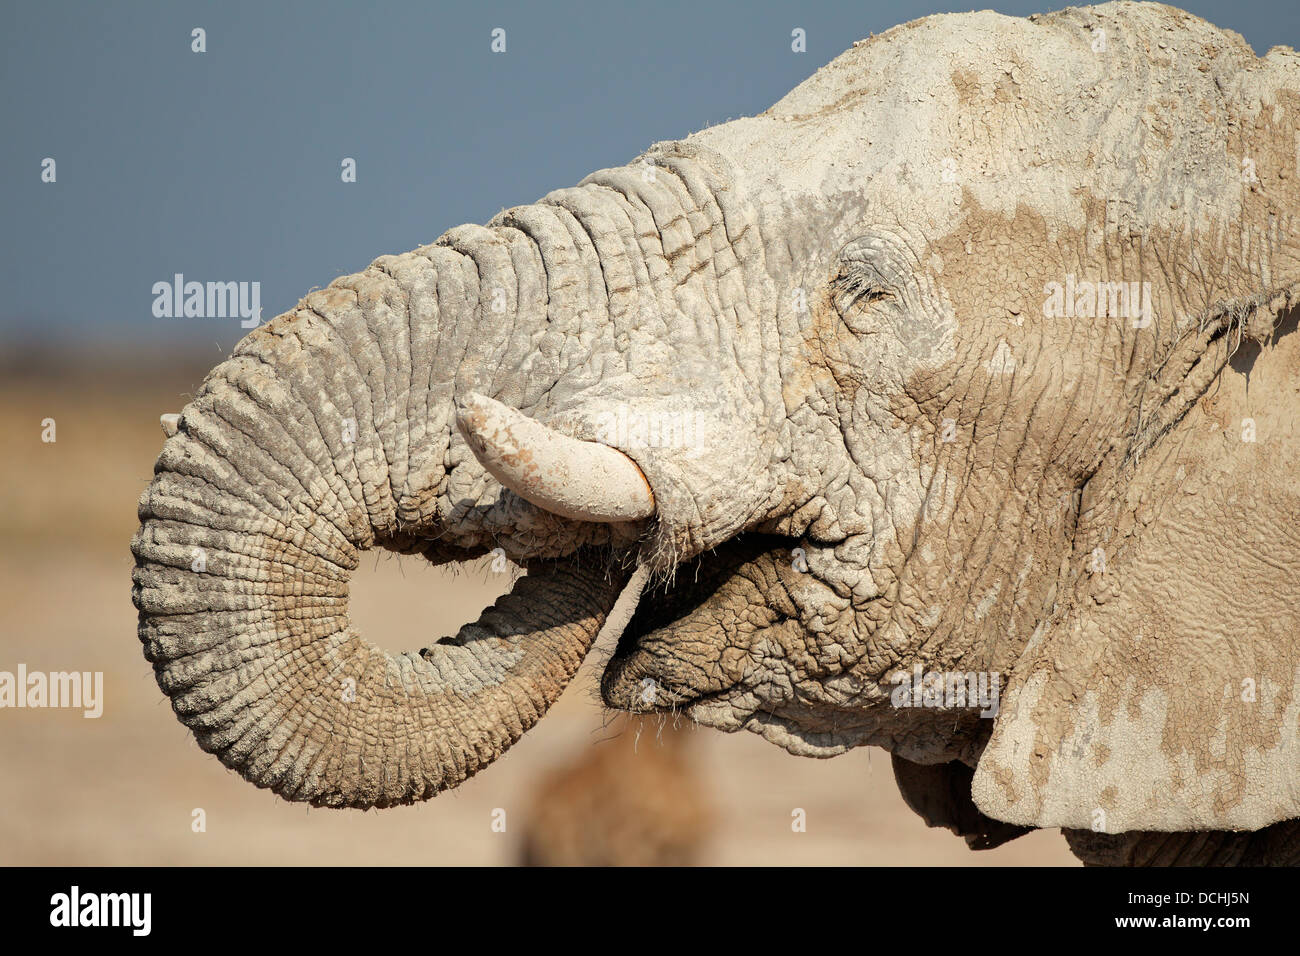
856, 348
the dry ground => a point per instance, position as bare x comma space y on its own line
122, 789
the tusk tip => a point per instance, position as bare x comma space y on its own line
171, 423
472, 410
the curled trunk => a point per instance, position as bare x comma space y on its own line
329, 432
332, 430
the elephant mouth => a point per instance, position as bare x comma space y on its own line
565, 476
687, 647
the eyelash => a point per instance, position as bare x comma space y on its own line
852, 289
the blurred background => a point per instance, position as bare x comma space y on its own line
226, 165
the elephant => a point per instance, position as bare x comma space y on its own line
949, 406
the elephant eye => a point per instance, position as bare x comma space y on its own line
856, 289
854, 292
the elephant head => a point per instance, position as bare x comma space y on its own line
930, 367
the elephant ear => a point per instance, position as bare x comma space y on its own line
1164, 694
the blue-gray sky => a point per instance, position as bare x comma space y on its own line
225, 165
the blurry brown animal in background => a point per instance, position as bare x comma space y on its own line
634, 800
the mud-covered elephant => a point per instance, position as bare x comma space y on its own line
949, 406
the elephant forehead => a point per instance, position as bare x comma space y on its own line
1008, 111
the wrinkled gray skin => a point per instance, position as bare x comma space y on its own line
842, 299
